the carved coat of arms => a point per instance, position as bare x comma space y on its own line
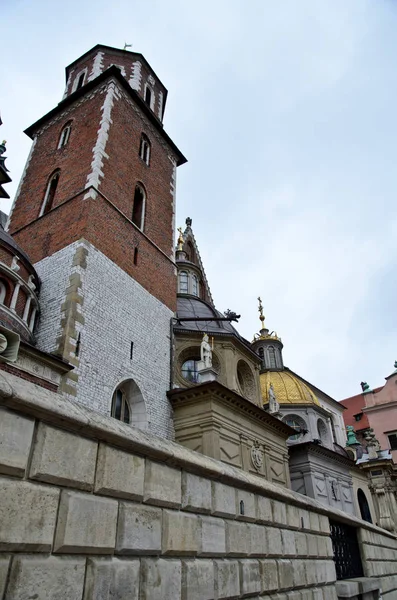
257, 455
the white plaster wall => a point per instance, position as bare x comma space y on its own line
117, 310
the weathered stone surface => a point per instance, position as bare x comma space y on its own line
139, 529
63, 458
314, 521
223, 500
258, 538
279, 513
227, 579
162, 485
27, 515
245, 508
49, 578
16, 434
288, 540
86, 524
198, 580
293, 517
238, 540
285, 574
160, 579
119, 473
250, 577
312, 549
264, 510
4, 565
213, 536
301, 543
274, 541
112, 579
269, 575
181, 533
196, 493
299, 569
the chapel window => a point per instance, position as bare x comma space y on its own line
296, 423
65, 134
183, 282
3, 292
138, 207
190, 370
120, 409
50, 193
144, 149
194, 285
261, 353
272, 357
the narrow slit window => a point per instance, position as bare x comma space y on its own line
136, 256
138, 208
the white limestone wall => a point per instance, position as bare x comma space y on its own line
117, 311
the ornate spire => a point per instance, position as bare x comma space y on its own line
261, 315
188, 222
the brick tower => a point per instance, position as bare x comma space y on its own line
95, 212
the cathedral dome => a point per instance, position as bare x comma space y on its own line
287, 387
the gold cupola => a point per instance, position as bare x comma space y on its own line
267, 345
287, 387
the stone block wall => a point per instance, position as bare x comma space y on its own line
93, 509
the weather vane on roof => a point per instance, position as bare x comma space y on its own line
127, 46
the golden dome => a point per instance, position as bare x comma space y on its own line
287, 388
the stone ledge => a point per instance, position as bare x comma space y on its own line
352, 588
32, 400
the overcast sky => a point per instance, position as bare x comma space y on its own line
286, 111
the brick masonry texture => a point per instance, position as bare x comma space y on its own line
159, 552
115, 311
104, 123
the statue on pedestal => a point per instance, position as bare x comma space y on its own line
206, 352
274, 406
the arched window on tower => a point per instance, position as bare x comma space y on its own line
120, 409
261, 353
80, 80
138, 208
50, 193
144, 149
65, 134
272, 357
183, 282
149, 96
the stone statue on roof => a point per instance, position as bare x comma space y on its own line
274, 406
206, 352
351, 436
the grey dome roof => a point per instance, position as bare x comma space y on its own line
193, 307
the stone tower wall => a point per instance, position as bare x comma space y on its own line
87, 297
92, 509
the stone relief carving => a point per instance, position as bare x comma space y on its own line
257, 455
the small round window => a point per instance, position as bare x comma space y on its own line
190, 370
296, 423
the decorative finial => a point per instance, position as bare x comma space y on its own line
180, 240
365, 387
188, 222
260, 310
395, 364
127, 46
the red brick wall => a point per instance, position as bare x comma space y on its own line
120, 59
73, 160
28, 377
126, 168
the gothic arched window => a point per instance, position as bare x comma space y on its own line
261, 353
149, 96
138, 207
120, 408
144, 149
3, 292
183, 282
65, 134
50, 193
80, 80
